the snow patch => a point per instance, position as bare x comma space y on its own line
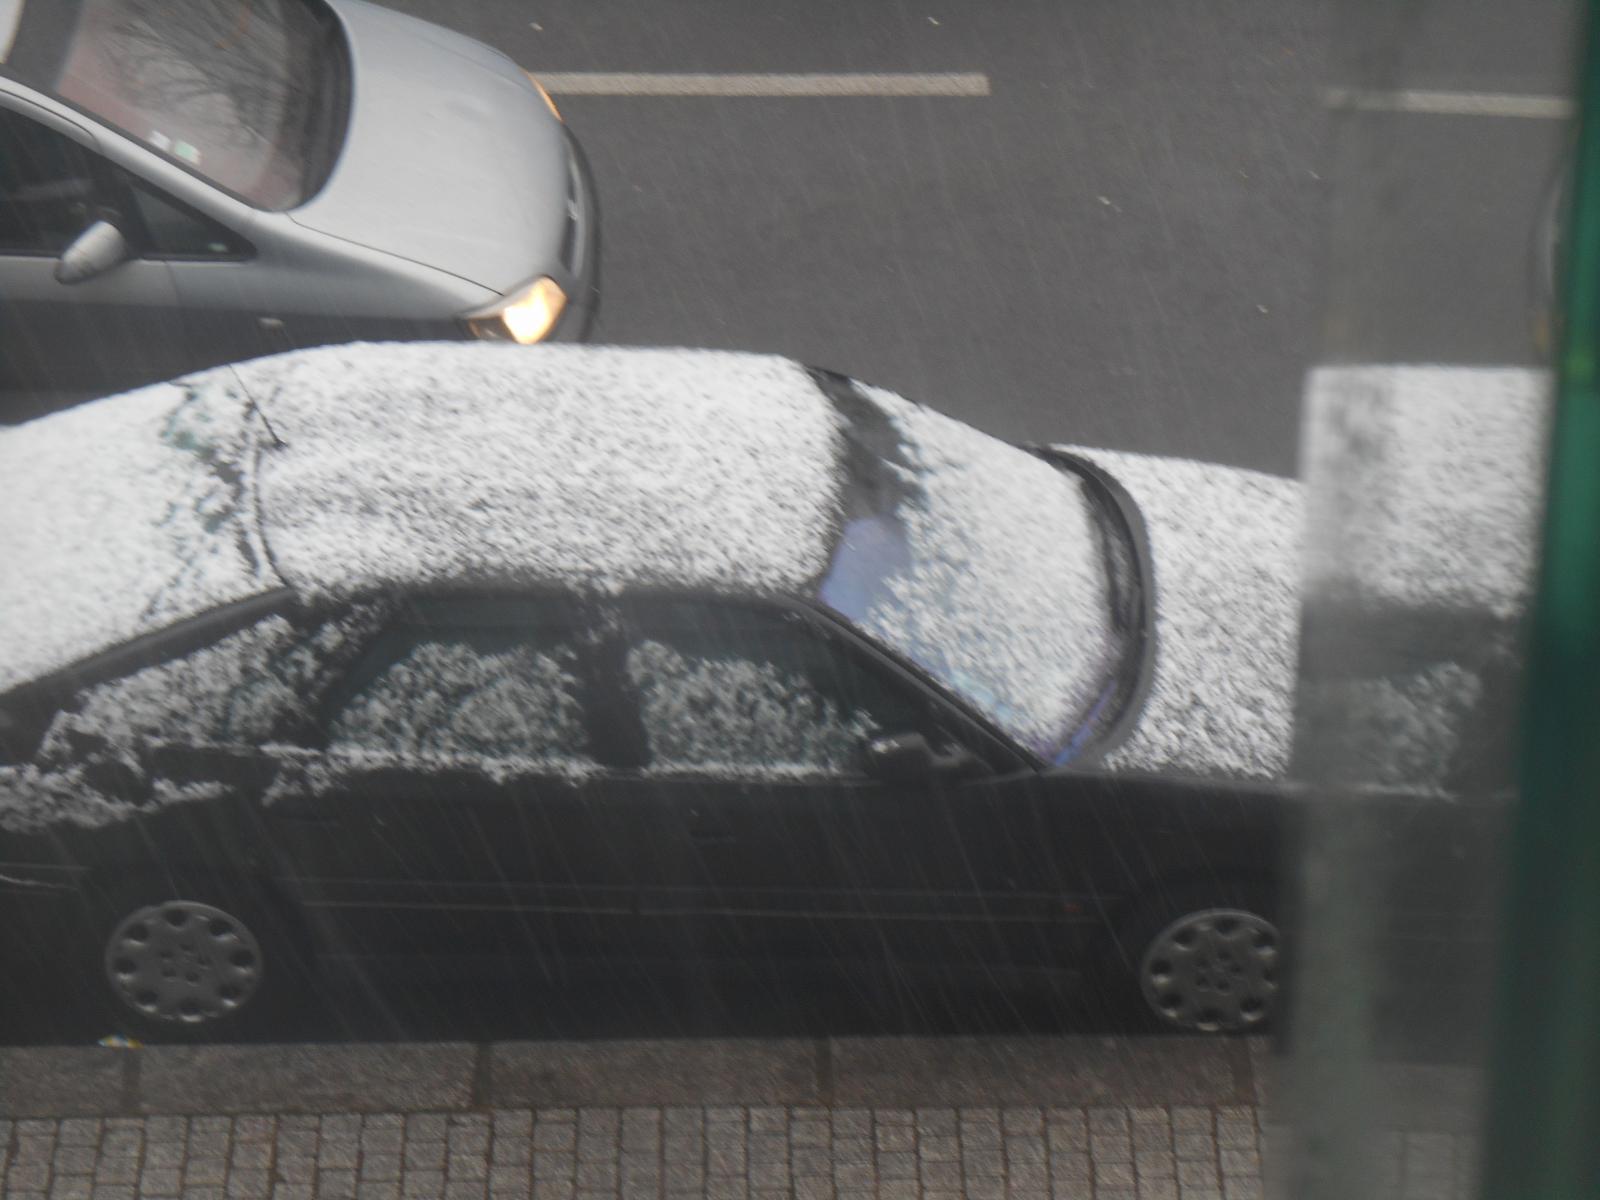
737, 714
1428, 484
465, 465
447, 700
123, 516
1003, 594
1225, 548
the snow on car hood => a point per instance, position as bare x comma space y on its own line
122, 517
1225, 552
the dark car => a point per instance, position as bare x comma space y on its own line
190, 182
571, 653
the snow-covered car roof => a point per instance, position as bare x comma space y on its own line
340, 470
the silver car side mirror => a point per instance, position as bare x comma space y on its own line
93, 252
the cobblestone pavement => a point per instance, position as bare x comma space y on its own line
675, 1153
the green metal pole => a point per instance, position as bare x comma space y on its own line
1544, 1108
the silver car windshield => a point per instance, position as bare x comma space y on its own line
247, 93
981, 564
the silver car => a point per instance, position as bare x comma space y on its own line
191, 182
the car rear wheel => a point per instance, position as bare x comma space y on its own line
180, 962
1204, 964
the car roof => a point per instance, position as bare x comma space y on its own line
347, 470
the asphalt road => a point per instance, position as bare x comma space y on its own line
1125, 243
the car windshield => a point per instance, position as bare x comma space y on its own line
246, 93
983, 565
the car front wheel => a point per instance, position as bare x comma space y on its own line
179, 963
1205, 965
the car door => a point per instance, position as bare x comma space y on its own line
445, 805
761, 723
116, 329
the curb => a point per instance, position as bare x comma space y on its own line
91, 1081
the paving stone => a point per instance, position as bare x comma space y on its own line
295, 1168
1110, 1147
75, 1159
1197, 1174
291, 1143
852, 1122
80, 1131
338, 1154
811, 1161
898, 1164
597, 1176
421, 1155
207, 1172
27, 1177
248, 1184
251, 1155
555, 1135
116, 1171
423, 1184
1026, 1148
377, 1168
1248, 1162
432, 1127
33, 1147
1113, 1175
462, 1167
160, 1181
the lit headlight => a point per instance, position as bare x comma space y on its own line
527, 316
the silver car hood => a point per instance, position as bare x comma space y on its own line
1225, 552
451, 158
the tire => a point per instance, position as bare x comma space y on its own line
1202, 960
191, 960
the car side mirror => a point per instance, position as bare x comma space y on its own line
907, 758
93, 252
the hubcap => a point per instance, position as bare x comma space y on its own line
1215, 970
183, 961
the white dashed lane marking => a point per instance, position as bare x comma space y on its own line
593, 83
1452, 104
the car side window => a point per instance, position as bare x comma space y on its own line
491, 680
245, 689
48, 190
728, 687
174, 230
